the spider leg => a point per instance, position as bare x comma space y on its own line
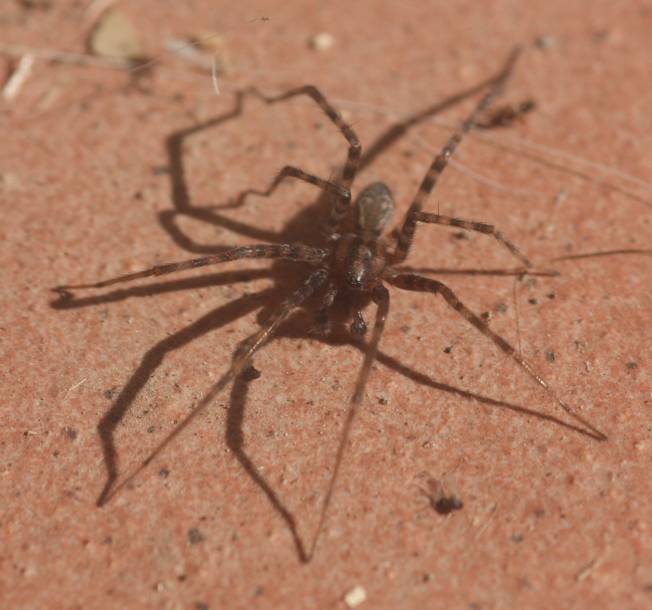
570, 257
506, 115
517, 272
381, 298
294, 172
358, 325
340, 205
418, 283
441, 160
322, 321
471, 225
242, 357
295, 252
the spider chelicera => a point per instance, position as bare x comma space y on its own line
355, 263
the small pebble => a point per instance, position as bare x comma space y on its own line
545, 42
355, 596
321, 42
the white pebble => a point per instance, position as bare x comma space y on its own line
355, 596
321, 42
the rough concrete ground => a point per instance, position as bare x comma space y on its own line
93, 185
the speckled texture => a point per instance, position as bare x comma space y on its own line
551, 519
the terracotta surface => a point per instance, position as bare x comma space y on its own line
99, 180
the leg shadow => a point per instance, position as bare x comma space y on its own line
151, 361
235, 442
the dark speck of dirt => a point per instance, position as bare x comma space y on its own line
551, 295
517, 538
532, 301
460, 235
501, 308
195, 536
448, 350
632, 365
251, 373
151, 429
447, 504
550, 356
164, 473
110, 393
201, 606
71, 433
383, 401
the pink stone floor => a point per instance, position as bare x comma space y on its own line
102, 174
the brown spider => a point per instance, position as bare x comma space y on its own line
353, 266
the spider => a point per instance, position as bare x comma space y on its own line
354, 265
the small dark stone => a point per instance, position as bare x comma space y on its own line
163, 473
517, 538
447, 504
195, 536
532, 301
632, 365
550, 356
71, 433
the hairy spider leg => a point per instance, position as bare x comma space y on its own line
517, 271
440, 162
289, 171
471, 225
322, 319
418, 283
570, 257
341, 204
295, 252
249, 347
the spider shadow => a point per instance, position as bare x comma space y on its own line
303, 227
